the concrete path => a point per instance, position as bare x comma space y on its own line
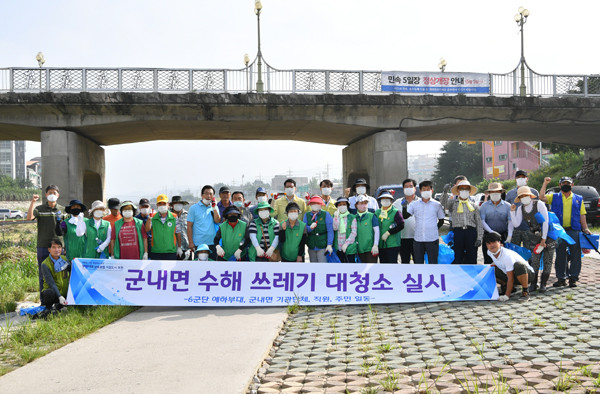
157, 349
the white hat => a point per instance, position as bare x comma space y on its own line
97, 205
361, 198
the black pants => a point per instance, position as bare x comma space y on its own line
389, 255
406, 250
162, 256
487, 259
431, 248
48, 298
367, 258
346, 258
465, 251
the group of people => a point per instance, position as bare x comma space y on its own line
354, 228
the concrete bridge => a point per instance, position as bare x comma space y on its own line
73, 127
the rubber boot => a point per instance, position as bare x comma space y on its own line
533, 285
545, 278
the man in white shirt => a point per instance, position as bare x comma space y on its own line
408, 232
509, 265
429, 217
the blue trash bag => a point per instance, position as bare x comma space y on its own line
555, 230
232, 258
332, 257
584, 241
448, 238
523, 252
32, 310
445, 255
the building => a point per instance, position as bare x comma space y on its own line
34, 172
510, 156
421, 167
12, 159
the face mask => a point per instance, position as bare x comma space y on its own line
203, 257
98, 214
177, 207
409, 191
264, 214
289, 191
426, 194
362, 207
162, 208
495, 197
127, 213
206, 202
144, 211
565, 188
464, 194
385, 202
75, 211
261, 198
326, 191
361, 190
526, 200
232, 219
521, 182
293, 215
52, 197
343, 209
238, 204
315, 207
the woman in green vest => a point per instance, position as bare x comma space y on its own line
264, 234
367, 231
74, 245
344, 225
233, 233
391, 223
130, 239
292, 236
56, 273
320, 231
97, 232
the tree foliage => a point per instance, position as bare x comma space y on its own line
458, 158
16, 189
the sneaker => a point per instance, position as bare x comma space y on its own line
524, 296
560, 283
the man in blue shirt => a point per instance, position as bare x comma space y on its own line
521, 233
495, 217
203, 219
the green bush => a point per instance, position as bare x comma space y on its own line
17, 277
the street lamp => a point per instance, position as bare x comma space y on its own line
521, 19
259, 82
40, 59
246, 61
442, 64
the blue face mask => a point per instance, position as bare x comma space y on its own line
238, 204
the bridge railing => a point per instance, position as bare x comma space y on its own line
22, 79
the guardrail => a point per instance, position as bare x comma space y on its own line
97, 79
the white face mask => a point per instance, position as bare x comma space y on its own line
206, 202
409, 191
177, 207
326, 191
315, 207
361, 190
264, 214
127, 213
521, 182
464, 194
426, 194
144, 211
98, 214
495, 197
293, 215
289, 191
203, 256
526, 200
343, 209
386, 202
162, 208
261, 198
52, 197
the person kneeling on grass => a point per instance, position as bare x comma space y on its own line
56, 272
509, 265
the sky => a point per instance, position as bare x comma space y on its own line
398, 35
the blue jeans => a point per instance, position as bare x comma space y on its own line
572, 271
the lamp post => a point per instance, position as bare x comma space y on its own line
246, 61
521, 19
259, 82
442, 64
40, 59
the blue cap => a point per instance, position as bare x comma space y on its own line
260, 190
202, 247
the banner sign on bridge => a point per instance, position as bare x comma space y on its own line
435, 82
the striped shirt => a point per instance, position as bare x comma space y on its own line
263, 242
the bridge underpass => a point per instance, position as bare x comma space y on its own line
73, 127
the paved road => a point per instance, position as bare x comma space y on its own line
156, 349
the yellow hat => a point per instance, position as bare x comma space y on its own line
162, 198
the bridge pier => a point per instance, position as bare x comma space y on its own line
379, 158
75, 164
591, 168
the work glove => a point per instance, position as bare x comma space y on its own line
220, 251
375, 250
385, 236
260, 252
179, 251
145, 256
478, 243
344, 247
99, 249
269, 252
329, 249
313, 226
238, 254
62, 300
508, 239
503, 298
59, 217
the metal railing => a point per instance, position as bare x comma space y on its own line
22, 79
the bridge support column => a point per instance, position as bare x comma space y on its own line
379, 158
590, 171
75, 164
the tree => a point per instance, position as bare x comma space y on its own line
593, 86
458, 159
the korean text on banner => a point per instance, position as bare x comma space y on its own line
425, 82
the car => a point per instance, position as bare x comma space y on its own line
6, 213
398, 191
591, 200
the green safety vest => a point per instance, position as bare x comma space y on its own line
317, 238
352, 247
259, 234
232, 237
75, 245
393, 240
293, 236
60, 278
163, 235
91, 233
138, 226
365, 235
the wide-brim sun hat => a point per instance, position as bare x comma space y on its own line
473, 189
75, 202
524, 191
385, 194
97, 205
316, 200
360, 181
127, 203
495, 187
263, 205
342, 199
178, 200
